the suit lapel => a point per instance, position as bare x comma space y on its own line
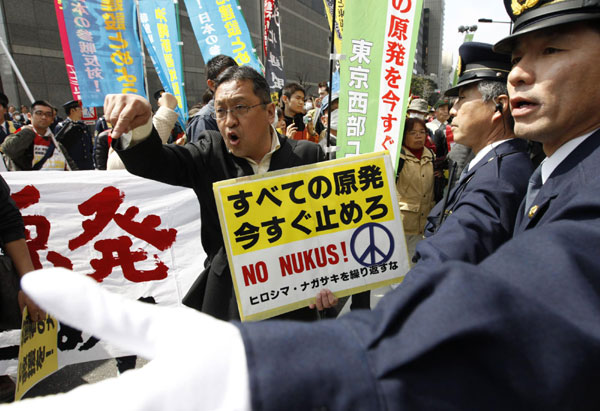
552, 187
242, 166
281, 157
457, 191
529, 218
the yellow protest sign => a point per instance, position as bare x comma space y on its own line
292, 232
38, 353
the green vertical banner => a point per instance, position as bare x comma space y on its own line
379, 43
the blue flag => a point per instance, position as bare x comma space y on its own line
220, 28
161, 35
105, 48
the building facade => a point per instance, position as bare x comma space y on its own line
30, 32
428, 59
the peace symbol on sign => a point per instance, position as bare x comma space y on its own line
379, 246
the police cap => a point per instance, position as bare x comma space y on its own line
532, 15
477, 62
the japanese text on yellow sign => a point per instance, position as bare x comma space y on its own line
322, 200
38, 354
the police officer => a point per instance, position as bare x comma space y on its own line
75, 136
478, 215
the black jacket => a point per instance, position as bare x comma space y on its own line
198, 165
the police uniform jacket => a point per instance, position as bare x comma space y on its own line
198, 165
518, 331
481, 210
78, 141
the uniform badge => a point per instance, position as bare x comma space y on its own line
532, 211
519, 6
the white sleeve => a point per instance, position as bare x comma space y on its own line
197, 362
163, 122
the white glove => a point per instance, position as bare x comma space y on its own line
198, 362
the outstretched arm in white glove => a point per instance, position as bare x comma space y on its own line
198, 362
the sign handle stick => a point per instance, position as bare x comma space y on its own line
16, 70
137, 10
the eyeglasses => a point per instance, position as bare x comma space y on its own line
237, 111
417, 133
43, 114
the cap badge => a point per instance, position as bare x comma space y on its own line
519, 6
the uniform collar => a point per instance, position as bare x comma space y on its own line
550, 163
483, 152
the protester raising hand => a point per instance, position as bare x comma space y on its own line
126, 112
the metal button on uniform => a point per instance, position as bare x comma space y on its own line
532, 211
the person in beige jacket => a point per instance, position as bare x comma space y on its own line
163, 122
414, 183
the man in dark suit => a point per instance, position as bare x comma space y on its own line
247, 145
519, 330
478, 215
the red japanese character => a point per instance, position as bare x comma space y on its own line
28, 196
40, 242
387, 140
146, 230
396, 4
126, 259
104, 204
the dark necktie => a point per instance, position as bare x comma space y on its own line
535, 184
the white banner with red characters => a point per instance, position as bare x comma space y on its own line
134, 236
293, 232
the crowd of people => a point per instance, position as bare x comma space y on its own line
500, 310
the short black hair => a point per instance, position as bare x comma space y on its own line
410, 124
3, 100
207, 96
217, 64
291, 88
69, 109
324, 84
42, 103
241, 73
70, 106
158, 94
